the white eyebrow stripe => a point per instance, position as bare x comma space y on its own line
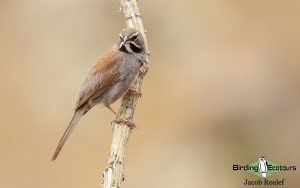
134, 34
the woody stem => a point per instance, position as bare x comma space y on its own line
114, 173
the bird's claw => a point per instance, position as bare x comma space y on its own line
126, 122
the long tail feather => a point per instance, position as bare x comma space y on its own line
77, 115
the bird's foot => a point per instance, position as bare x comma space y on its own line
130, 124
134, 92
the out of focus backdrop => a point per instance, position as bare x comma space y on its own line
223, 88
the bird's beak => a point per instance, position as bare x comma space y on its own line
123, 42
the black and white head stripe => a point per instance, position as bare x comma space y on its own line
130, 44
123, 40
133, 36
134, 47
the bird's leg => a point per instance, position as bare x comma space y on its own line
113, 111
120, 119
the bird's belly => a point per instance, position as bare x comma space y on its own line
120, 88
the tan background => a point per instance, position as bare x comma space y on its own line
223, 88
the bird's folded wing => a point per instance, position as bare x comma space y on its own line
102, 76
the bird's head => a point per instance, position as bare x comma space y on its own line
131, 41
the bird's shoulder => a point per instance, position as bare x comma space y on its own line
109, 59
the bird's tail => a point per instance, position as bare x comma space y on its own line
77, 115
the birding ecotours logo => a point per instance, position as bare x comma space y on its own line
264, 168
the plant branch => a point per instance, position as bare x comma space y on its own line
114, 173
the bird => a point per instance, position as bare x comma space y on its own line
109, 78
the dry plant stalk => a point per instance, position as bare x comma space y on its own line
114, 173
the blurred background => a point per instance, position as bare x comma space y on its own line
223, 89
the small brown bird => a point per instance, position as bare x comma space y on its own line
110, 78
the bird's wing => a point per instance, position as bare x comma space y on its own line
104, 74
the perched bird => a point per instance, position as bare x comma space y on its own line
109, 78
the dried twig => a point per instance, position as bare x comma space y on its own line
114, 173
